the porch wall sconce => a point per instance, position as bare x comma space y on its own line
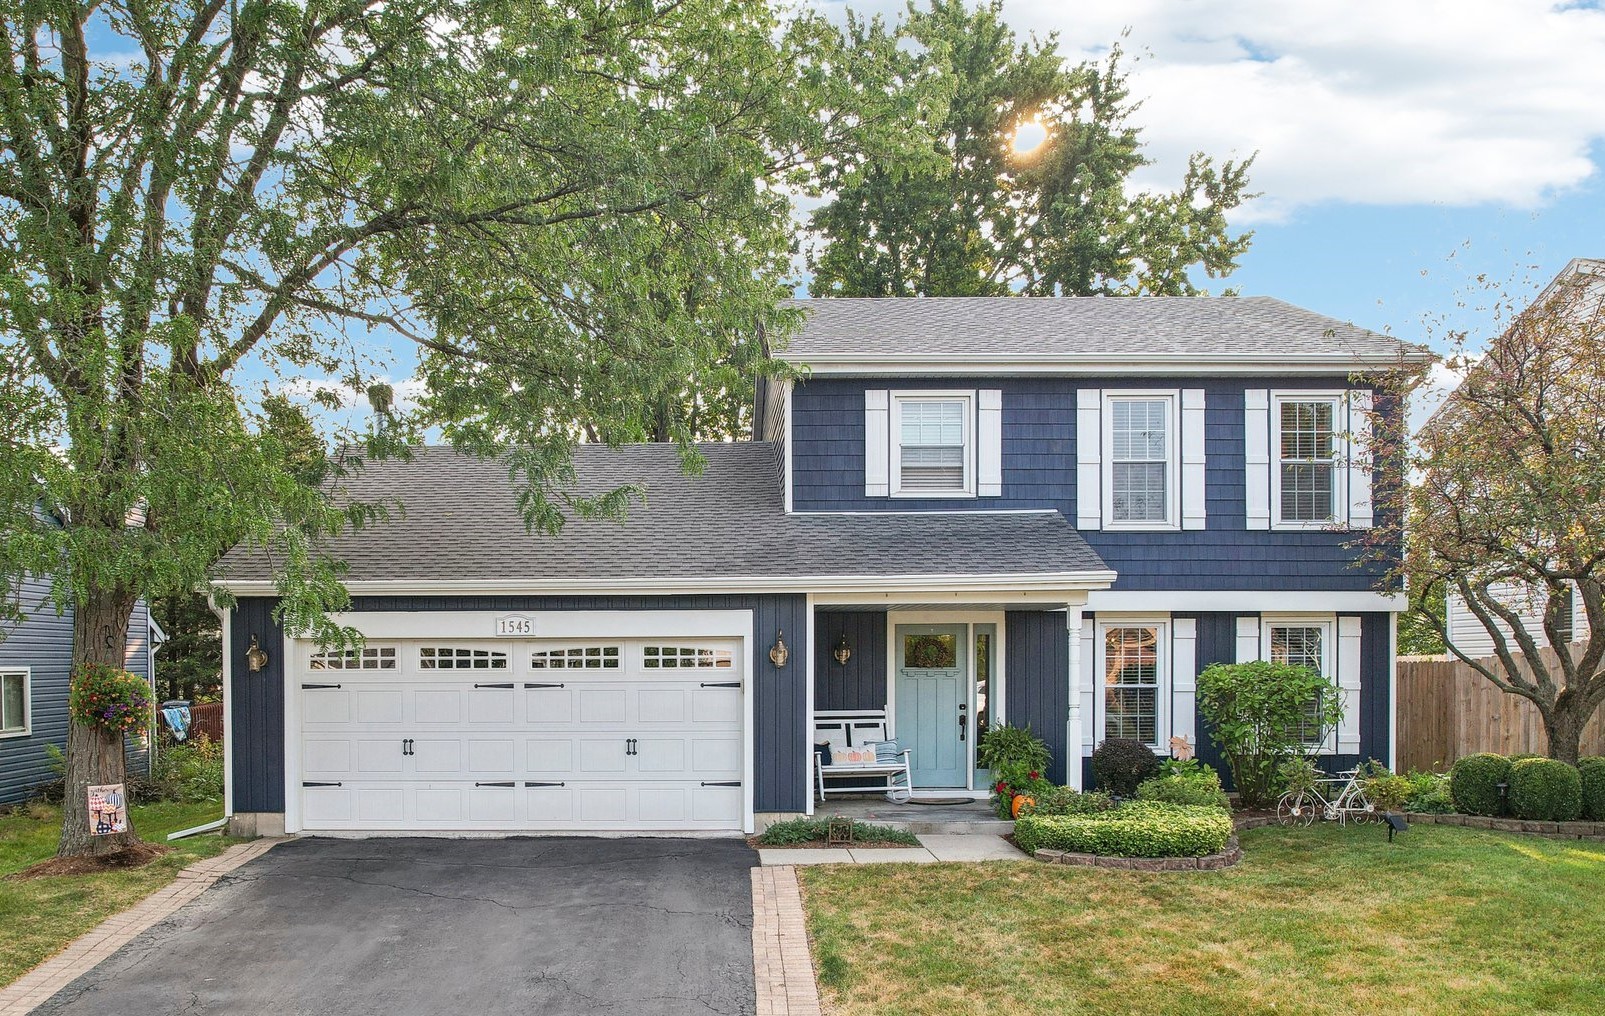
255, 656
843, 652
778, 653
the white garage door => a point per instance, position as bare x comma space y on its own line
536, 735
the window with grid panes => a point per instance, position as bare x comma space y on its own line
1303, 645
933, 453
1306, 459
1139, 470
1131, 683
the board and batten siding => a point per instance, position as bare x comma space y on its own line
780, 695
1039, 472
860, 683
1036, 646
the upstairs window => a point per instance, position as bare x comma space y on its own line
933, 455
1140, 461
1306, 471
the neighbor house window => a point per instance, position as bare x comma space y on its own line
1132, 674
13, 702
1140, 461
934, 454
1306, 464
1303, 645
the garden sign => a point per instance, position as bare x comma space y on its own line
108, 810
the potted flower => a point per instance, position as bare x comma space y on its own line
1016, 759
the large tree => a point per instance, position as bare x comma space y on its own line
975, 217
570, 209
1509, 508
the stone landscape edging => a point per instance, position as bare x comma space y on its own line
1209, 862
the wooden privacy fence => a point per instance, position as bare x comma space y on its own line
207, 718
1447, 710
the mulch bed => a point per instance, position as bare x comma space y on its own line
136, 856
755, 843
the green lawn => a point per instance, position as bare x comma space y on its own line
1325, 920
40, 916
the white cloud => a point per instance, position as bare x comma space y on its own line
1456, 102
1426, 400
314, 391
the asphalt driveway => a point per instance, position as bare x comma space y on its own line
422, 927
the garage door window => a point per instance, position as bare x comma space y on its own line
445, 658
576, 658
686, 657
366, 658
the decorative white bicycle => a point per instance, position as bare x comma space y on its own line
1339, 798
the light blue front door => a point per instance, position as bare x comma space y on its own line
933, 702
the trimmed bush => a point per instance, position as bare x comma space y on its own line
1064, 801
1120, 764
1474, 783
1137, 829
1200, 789
1545, 790
1591, 773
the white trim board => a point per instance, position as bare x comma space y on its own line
548, 624
1206, 601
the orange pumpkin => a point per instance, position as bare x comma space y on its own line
1021, 801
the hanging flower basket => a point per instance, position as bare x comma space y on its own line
109, 698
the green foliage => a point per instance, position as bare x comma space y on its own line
1591, 775
1013, 778
1388, 791
1135, 829
109, 698
1065, 801
1260, 714
1119, 764
1016, 759
975, 218
1429, 793
1545, 790
1421, 628
190, 773
1200, 789
1298, 775
1474, 783
816, 829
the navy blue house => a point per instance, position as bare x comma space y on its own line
965, 512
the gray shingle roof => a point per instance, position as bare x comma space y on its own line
460, 522
1199, 326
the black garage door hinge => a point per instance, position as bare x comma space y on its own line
527, 783
311, 686
506, 783
527, 685
305, 783
726, 783
507, 685
721, 684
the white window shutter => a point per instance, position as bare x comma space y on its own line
1089, 468
877, 443
1257, 456
1184, 679
1090, 681
1348, 679
1359, 457
1247, 639
1192, 458
989, 442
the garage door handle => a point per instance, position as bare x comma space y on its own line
306, 784
543, 685
309, 687
508, 685
406, 746
528, 784
721, 684
508, 783
629, 747
726, 783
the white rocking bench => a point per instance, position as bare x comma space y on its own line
860, 732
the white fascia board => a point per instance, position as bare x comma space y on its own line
1211, 601
1128, 364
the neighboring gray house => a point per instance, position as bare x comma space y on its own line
35, 661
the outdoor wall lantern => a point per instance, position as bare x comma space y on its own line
843, 652
255, 656
778, 653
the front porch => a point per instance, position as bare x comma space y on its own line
969, 818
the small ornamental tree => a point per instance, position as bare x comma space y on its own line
1263, 714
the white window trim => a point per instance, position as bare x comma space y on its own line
26, 673
1162, 690
1329, 633
1173, 478
895, 432
1340, 473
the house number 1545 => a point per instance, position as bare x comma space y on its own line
514, 625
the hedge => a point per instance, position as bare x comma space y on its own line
1202, 790
1545, 790
1592, 773
1137, 829
1474, 784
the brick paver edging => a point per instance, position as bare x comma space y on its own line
1209, 862
1593, 831
782, 970
86, 951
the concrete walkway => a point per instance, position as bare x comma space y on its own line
934, 848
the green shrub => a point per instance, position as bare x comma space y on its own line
1016, 758
1298, 775
1200, 788
1474, 783
1387, 792
1064, 801
1259, 713
1429, 793
816, 829
1135, 829
189, 773
1591, 772
1545, 790
1120, 764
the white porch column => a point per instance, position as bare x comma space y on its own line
1073, 735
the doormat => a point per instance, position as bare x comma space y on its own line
947, 801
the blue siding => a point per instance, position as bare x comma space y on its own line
1037, 679
780, 694
1039, 455
861, 683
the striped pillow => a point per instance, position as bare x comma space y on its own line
888, 751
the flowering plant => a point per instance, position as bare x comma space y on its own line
109, 698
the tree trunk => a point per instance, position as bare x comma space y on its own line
1564, 729
95, 756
